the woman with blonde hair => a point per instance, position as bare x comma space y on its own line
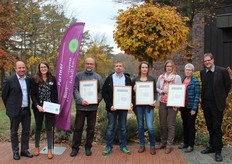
167, 114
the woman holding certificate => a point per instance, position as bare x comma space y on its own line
167, 114
145, 93
189, 112
43, 88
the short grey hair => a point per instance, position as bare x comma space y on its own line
189, 65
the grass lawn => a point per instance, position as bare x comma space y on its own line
4, 120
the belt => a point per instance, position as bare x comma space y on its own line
23, 108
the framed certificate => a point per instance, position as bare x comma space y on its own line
51, 107
144, 93
88, 91
122, 97
176, 95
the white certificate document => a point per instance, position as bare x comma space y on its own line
51, 107
176, 95
144, 93
122, 97
88, 91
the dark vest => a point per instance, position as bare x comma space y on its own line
209, 95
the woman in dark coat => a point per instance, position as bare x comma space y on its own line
43, 88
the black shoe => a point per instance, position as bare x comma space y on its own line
74, 152
182, 146
26, 154
16, 156
208, 150
189, 149
88, 151
218, 157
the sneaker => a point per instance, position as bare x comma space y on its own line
107, 151
125, 150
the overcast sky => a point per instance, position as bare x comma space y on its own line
97, 14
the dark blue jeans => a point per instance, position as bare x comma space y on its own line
147, 113
121, 116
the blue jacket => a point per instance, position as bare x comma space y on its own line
192, 93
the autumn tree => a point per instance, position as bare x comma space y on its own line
7, 28
40, 28
50, 30
150, 31
103, 63
188, 8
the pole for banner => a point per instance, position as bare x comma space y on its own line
56, 150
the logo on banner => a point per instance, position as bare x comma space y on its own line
73, 45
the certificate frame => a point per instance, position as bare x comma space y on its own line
50, 107
88, 91
144, 93
176, 95
122, 96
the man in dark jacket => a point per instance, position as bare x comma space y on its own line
216, 85
118, 78
15, 96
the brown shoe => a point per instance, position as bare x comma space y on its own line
36, 151
161, 146
141, 149
50, 155
168, 150
152, 151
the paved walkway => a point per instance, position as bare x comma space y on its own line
117, 157
196, 157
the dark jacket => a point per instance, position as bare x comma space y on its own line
35, 92
107, 90
12, 95
192, 93
221, 86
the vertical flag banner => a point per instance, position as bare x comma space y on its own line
66, 71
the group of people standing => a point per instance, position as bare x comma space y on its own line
215, 83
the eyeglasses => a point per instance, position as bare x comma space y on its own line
168, 66
207, 60
89, 63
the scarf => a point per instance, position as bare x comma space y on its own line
165, 80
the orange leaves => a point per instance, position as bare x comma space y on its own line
150, 31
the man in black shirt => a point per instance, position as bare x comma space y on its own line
216, 85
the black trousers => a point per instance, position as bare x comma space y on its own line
49, 121
213, 118
189, 129
25, 119
78, 128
